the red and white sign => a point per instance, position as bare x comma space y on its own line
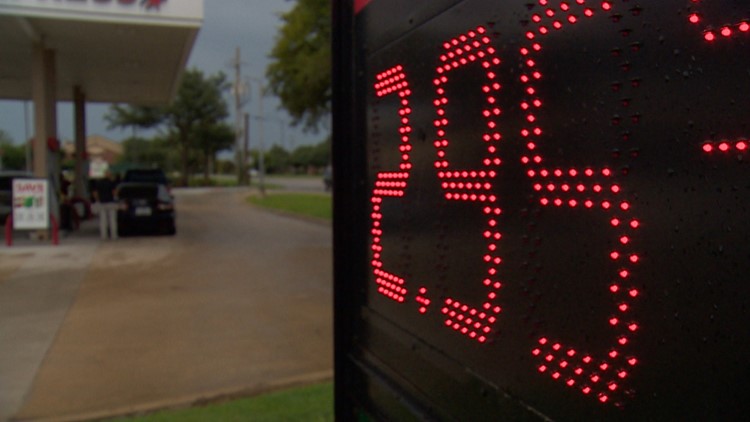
30, 204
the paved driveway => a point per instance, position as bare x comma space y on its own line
238, 302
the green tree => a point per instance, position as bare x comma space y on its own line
211, 140
226, 166
193, 121
142, 152
12, 157
276, 159
134, 117
321, 154
301, 156
300, 69
199, 105
306, 156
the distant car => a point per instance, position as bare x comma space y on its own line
328, 178
145, 207
6, 191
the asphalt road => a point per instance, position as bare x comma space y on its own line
239, 301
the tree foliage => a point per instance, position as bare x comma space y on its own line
12, 157
302, 159
193, 122
276, 159
199, 105
212, 139
134, 117
300, 69
142, 152
311, 156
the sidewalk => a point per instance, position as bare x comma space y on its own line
38, 285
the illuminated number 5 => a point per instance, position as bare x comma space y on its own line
585, 189
725, 32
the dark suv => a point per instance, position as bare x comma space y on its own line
145, 202
145, 207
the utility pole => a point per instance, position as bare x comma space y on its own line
246, 145
261, 148
241, 152
261, 164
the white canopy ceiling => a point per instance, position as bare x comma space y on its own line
130, 51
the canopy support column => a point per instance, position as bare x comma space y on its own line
81, 156
45, 107
43, 74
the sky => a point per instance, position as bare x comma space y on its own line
251, 25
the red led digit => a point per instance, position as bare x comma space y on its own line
588, 187
711, 34
391, 184
472, 185
603, 376
423, 300
737, 147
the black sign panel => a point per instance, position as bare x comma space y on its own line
557, 210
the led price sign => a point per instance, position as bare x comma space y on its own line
558, 204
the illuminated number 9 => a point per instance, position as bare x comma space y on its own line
580, 188
472, 185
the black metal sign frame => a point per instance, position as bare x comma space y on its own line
541, 209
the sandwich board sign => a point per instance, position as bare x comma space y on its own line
30, 204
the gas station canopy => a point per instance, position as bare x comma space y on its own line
130, 51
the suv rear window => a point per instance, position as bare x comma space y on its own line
137, 191
145, 175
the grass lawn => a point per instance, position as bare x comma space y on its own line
311, 205
309, 403
229, 182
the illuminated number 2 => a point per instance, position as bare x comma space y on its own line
580, 188
392, 183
